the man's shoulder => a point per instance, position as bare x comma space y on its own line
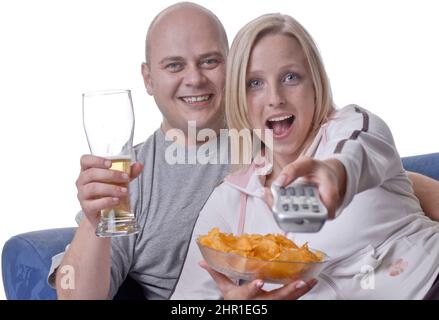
149, 141
146, 147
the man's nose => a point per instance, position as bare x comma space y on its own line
275, 96
195, 77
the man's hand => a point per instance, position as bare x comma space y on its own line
253, 290
101, 188
329, 176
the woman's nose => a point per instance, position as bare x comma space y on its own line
275, 97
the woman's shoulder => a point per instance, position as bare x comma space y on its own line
359, 118
349, 111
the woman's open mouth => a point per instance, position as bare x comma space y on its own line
281, 125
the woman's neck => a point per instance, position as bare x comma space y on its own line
279, 162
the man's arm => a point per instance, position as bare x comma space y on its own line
427, 191
88, 264
84, 272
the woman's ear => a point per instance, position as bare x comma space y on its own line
146, 74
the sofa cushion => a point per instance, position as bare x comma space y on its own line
26, 260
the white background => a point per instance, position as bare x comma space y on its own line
382, 55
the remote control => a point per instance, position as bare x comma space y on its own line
298, 208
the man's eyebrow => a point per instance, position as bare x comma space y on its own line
211, 54
171, 58
201, 56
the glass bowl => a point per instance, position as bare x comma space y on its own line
238, 267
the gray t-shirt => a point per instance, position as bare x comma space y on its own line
166, 199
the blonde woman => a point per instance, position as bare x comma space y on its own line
276, 80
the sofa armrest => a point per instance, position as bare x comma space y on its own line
426, 164
26, 260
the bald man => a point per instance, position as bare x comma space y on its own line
186, 49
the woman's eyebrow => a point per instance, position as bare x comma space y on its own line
292, 65
254, 73
287, 66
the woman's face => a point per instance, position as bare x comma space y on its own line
280, 94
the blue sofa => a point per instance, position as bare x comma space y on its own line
26, 258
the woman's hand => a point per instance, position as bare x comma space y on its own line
328, 175
253, 290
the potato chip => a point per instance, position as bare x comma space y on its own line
271, 257
270, 247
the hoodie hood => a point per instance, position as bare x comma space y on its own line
252, 179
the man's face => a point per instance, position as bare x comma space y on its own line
186, 74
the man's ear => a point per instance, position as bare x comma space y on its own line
146, 74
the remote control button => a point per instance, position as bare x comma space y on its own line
305, 206
311, 192
291, 191
295, 207
285, 207
315, 208
300, 191
283, 192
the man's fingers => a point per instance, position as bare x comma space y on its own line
102, 175
109, 176
89, 161
136, 170
96, 190
92, 207
93, 162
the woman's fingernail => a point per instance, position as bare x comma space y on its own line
280, 180
259, 283
312, 283
300, 284
108, 163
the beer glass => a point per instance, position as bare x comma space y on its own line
108, 119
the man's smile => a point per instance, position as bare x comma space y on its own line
197, 101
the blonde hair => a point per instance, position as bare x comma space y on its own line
245, 40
